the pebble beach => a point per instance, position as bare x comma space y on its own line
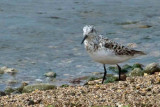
141, 91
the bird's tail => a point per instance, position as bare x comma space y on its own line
139, 52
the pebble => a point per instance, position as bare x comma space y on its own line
2, 93
136, 72
30, 102
30, 88
50, 74
152, 68
5, 69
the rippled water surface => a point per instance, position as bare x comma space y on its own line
37, 36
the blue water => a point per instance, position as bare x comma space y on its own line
37, 36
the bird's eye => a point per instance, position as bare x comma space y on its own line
92, 30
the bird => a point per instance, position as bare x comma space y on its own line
105, 51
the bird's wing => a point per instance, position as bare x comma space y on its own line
119, 49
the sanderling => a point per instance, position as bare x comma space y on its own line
106, 51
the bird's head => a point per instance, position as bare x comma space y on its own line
88, 32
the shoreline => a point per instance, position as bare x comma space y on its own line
135, 91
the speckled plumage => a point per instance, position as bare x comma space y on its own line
106, 51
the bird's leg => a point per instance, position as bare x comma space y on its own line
119, 69
105, 72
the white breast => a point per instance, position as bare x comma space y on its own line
108, 57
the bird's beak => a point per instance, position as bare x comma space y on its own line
84, 39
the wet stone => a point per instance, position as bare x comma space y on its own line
138, 65
152, 68
127, 67
145, 26
2, 93
30, 88
124, 69
5, 69
50, 74
9, 90
30, 102
136, 72
126, 23
111, 79
123, 77
64, 85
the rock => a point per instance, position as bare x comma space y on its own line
11, 70
1, 72
126, 23
8, 70
75, 81
78, 80
98, 80
131, 26
127, 68
92, 78
64, 85
123, 77
30, 102
9, 90
152, 68
24, 83
145, 74
145, 26
31, 88
20, 89
2, 69
17, 92
50, 74
115, 69
138, 65
2, 93
111, 79
136, 72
